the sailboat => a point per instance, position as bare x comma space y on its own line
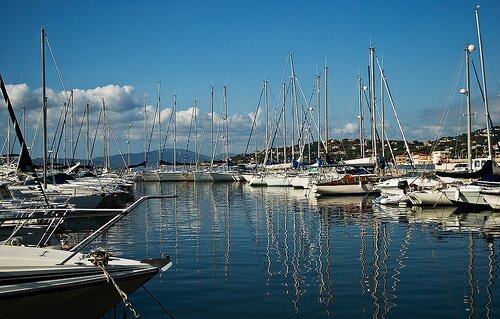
173, 175
225, 175
349, 181
470, 196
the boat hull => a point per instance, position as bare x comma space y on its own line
171, 176
492, 199
222, 177
150, 177
34, 283
467, 198
277, 180
257, 180
203, 177
348, 189
428, 198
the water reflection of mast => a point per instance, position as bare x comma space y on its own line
399, 260
228, 232
147, 233
386, 269
471, 275
376, 257
270, 238
176, 220
491, 249
285, 231
328, 264
362, 257
297, 243
214, 234
320, 262
198, 222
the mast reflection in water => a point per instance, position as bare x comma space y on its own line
275, 253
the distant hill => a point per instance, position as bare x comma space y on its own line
347, 148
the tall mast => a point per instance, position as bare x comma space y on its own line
389, 95
326, 109
65, 153
72, 129
196, 133
361, 118
88, 137
468, 49
128, 146
44, 110
486, 108
382, 112
212, 126
175, 130
159, 126
266, 120
105, 139
226, 126
318, 97
8, 141
145, 134
284, 123
24, 121
372, 103
295, 110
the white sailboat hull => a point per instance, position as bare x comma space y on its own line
277, 180
349, 189
171, 176
150, 177
257, 180
302, 181
492, 197
203, 177
466, 196
428, 198
222, 177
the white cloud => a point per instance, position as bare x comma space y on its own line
125, 106
348, 128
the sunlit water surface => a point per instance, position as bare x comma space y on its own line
249, 252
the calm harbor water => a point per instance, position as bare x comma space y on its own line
274, 253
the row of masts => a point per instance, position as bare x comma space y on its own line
299, 122
297, 115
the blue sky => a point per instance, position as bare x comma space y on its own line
190, 45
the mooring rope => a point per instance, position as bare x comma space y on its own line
100, 259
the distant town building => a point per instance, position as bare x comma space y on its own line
440, 157
417, 159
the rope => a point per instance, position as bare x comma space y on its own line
158, 302
100, 259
